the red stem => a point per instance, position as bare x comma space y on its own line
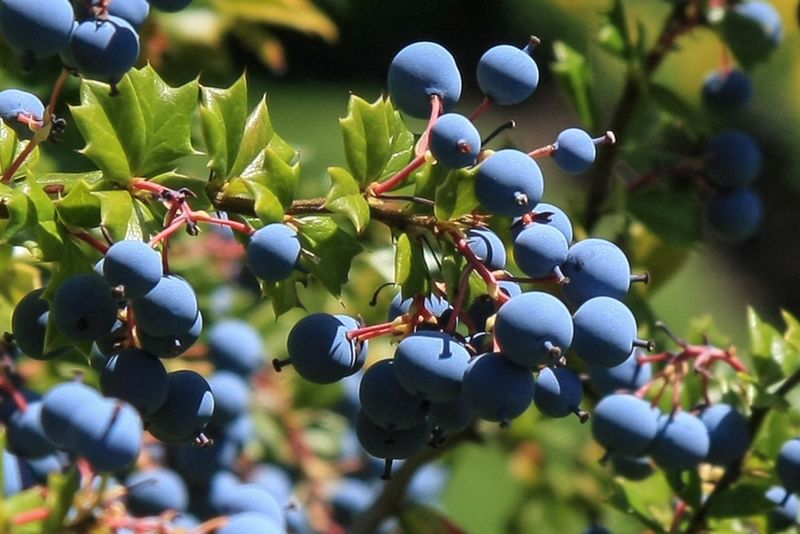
481, 109
419, 160
31, 516
32, 144
461, 244
463, 287
98, 245
543, 152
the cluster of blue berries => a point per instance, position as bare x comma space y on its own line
97, 38
732, 157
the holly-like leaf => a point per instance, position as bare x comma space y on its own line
411, 270
346, 198
375, 139
456, 195
333, 249
79, 207
742, 500
140, 132
767, 349
244, 148
283, 294
574, 73
10, 147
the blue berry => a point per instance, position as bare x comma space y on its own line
394, 444
765, 15
133, 11
137, 377
681, 441
234, 345
154, 491
36, 27
733, 159
273, 252
251, 498
507, 75
575, 150
16, 475
624, 423
451, 416
169, 309
430, 365
104, 49
420, 71
727, 90
605, 332
14, 103
558, 392
25, 435
595, 267
788, 464
546, 214
533, 328
631, 467
83, 308
231, 394
350, 498
509, 182
488, 247
787, 507
171, 346
135, 265
250, 522
728, 432
539, 250
385, 401
497, 389
186, 411
62, 404
454, 141
29, 324
629, 375
108, 434
735, 215
320, 351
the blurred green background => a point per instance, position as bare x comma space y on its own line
308, 57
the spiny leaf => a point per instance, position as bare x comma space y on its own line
456, 195
374, 137
141, 131
345, 198
333, 248
411, 270
79, 207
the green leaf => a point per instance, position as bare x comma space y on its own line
743, 500
141, 131
411, 270
10, 147
422, 519
745, 37
636, 499
333, 248
679, 223
117, 216
275, 173
375, 139
224, 115
776, 430
346, 198
21, 214
283, 294
574, 73
61, 493
80, 207
768, 349
247, 147
615, 36
195, 184
266, 206
456, 195
672, 103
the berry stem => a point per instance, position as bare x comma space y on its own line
95, 243
481, 109
494, 290
543, 152
377, 189
31, 516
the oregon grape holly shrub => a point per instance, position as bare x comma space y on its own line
125, 409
